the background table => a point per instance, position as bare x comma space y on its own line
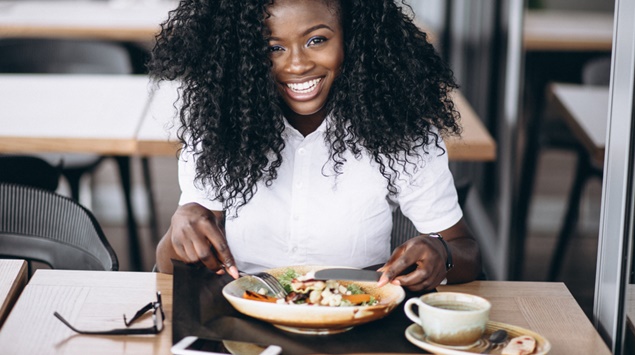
568, 30
124, 20
71, 113
97, 299
585, 109
13, 277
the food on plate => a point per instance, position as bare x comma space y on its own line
522, 345
257, 296
305, 290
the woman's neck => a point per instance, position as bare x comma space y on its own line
305, 124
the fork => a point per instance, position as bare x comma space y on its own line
270, 281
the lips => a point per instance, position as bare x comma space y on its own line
303, 91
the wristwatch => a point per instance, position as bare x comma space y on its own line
449, 264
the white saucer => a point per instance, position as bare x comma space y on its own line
415, 334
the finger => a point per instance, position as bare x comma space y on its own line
220, 248
417, 285
177, 245
400, 262
414, 281
421, 280
179, 241
385, 277
189, 253
206, 255
226, 258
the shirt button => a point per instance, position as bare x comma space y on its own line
294, 249
296, 217
298, 185
302, 151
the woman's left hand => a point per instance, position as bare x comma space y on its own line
420, 263
429, 256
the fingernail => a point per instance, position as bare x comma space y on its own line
233, 271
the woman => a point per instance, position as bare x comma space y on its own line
305, 124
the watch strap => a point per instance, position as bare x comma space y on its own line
449, 264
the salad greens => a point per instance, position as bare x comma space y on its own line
286, 278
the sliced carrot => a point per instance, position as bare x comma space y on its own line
250, 295
357, 299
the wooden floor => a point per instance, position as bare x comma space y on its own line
552, 185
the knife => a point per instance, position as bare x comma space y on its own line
347, 274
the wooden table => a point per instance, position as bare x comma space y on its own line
475, 143
585, 109
123, 20
157, 133
547, 308
13, 277
97, 299
92, 300
553, 30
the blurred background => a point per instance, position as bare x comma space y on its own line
543, 187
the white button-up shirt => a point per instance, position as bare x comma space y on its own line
311, 216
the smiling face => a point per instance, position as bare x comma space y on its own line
307, 50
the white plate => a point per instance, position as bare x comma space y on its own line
307, 319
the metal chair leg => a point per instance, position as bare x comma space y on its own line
136, 259
147, 179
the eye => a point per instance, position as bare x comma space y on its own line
316, 41
275, 48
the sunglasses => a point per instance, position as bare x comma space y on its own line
157, 319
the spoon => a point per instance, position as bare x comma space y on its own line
496, 338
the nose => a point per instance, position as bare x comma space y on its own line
298, 61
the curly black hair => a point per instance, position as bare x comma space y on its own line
390, 100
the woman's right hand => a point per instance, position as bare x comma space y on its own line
196, 234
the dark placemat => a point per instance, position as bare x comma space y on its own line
199, 309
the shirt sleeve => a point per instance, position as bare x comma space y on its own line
428, 196
190, 190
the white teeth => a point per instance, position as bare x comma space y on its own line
305, 87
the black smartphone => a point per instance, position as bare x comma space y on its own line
192, 345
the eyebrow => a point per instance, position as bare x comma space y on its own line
309, 30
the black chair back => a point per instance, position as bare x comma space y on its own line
39, 225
